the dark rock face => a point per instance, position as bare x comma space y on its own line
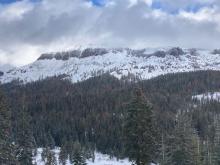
1, 73
160, 53
60, 55
75, 53
93, 52
117, 50
45, 57
138, 53
67, 55
142, 53
101, 51
216, 51
176, 52
193, 52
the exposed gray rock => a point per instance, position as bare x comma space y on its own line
60, 55
45, 56
138, 53
176, 52
159, 53
193, 52
93, 52
117, 50
101, 51
216, 51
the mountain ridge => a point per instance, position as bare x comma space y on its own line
133, 64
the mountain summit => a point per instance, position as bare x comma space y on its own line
123, 63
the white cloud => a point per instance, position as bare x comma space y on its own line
27, 29
15, 10
135, 2
148, 2
20, 55
3, 57
205, 14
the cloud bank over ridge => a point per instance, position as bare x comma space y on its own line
29, 28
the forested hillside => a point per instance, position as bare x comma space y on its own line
56, 112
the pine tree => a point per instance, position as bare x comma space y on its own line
216, 155
77, 156
196, 143
50, 141
25, 137
139, 131
7, 148
182, 146
163, 156
89, 152
50, 157
63, 156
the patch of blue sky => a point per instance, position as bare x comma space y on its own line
159, 5
13, 1
194, 7
8, 1
99, 2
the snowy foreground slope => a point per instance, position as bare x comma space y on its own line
215, 96
100, 159
79, 65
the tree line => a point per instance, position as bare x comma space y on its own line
91, 116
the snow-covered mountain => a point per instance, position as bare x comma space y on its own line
4, 68
79, 65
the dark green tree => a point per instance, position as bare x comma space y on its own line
7, 148
77, 156
48, 157
216, 154
63, 156
183, 144
25, 137
139, 131
44, 154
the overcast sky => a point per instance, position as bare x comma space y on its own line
31, 27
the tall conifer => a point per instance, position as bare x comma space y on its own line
139, 131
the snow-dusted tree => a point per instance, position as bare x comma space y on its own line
77, 156
139, 131
7, 148
48, 156
183, 144
25, 138
63, 156
216, 153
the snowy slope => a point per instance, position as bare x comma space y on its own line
79, 65
207, 96
100, 159
5, 67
